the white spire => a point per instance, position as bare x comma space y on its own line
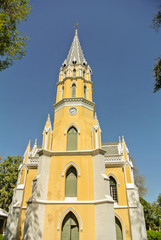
75, 55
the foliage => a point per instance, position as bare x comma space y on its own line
1, 237
8, 178
139, 180
148, 214
153, 235
152, 213
157, 19
12, 43
157, 67
157, 75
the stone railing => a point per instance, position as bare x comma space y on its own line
113, 159
33, 160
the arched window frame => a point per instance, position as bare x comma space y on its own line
122, 225
114, 191
85, 91
68, 165
62, 92
74, 72
68, 148
73, 90
84, 74
65, 213
69, 126
71, 197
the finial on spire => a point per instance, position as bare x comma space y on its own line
76, 28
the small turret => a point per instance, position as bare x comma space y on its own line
47, 135
27, 152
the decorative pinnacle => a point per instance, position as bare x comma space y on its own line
119, 139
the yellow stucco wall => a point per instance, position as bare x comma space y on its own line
121, 188
123, 214
53, 215
128, 174
83, 119
85, 185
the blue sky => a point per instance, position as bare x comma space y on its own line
121, 48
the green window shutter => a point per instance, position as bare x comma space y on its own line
70, 228
72, 139
71, 183
119, 235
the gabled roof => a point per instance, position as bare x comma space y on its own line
75, 55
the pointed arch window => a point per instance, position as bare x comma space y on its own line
119, 235
74, 90
70, 227
85, 91
74, 73
71, 183
72, 139
113, 189
84, 74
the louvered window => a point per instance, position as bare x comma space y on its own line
113, 189
71, 183
73, 90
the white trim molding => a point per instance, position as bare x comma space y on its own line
71, 164
123, 226
114, 176
70, 125
70, 209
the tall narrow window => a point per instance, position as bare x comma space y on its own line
74, 73
119, 235
71, 183
70, 227
74, 90
113, 189
85, 92
62, 93
84, 74
72, 139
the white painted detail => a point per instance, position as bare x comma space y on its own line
70, 125
73, 111
75, 213
71, 163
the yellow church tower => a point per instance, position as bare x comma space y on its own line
74, 187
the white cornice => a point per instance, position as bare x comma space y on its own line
68, 102
94, 202
71, 153
74, 78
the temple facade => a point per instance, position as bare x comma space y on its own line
74, 187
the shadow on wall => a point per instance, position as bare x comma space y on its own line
32, 228
137, 216
12, 222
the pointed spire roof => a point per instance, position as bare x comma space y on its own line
75, 55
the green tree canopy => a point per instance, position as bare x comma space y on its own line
12, 43
157, 67
8, 178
